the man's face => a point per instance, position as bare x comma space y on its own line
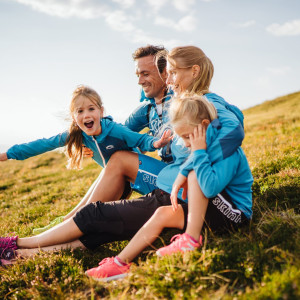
152, 82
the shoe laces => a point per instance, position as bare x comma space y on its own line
106, 260
175, 237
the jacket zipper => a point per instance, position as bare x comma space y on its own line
103, 160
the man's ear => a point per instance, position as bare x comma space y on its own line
195, 71
205, 123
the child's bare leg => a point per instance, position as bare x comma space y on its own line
163, 217
123, 166
33, 251
197, 206
62, 233
85, 199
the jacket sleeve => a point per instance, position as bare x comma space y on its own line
138, 120
24, 151
134, 139
231, 133
214, 178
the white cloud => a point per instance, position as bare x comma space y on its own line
119, 21
287, 29
187, 23
125, 3
66, 9
245, 24
279, 71
142, 38
156, 5
183, 5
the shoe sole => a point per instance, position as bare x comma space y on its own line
107, 279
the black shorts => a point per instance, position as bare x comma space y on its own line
118, 220
223, 215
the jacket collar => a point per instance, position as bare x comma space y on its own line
169, 93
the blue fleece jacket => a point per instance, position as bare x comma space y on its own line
114, 137
222, 141
146, 115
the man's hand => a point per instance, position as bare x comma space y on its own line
180, 182
164, 140
87, 152
3, 156
198, 138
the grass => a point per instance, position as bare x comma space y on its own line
260, 261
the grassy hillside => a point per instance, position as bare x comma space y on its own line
261, 261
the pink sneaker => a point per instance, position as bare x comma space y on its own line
179, 243
109, 269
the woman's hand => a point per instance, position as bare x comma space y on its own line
3, 156
198, 138
164, 140
180, 182
87, 152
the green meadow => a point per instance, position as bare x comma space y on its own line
260, 261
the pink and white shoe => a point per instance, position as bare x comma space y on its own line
109, 269
180, 243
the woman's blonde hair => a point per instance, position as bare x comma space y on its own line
191, 109
188, 56
74, 143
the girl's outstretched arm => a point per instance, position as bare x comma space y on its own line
26, 150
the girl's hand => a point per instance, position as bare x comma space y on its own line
180, 182
3, 156
164, 140
87, 152
198, 138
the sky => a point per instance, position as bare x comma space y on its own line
49, 47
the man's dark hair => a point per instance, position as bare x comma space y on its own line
159, 53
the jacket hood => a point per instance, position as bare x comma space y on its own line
107, 125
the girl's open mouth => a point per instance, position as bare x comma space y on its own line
89, 124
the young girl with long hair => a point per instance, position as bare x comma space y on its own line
89, 127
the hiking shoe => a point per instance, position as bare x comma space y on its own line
109, 269
179, 243
55, 222
9, 242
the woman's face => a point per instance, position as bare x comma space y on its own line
179, 79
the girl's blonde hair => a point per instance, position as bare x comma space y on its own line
188, 56
191, 109
74, 143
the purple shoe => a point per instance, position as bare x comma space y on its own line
9, 242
